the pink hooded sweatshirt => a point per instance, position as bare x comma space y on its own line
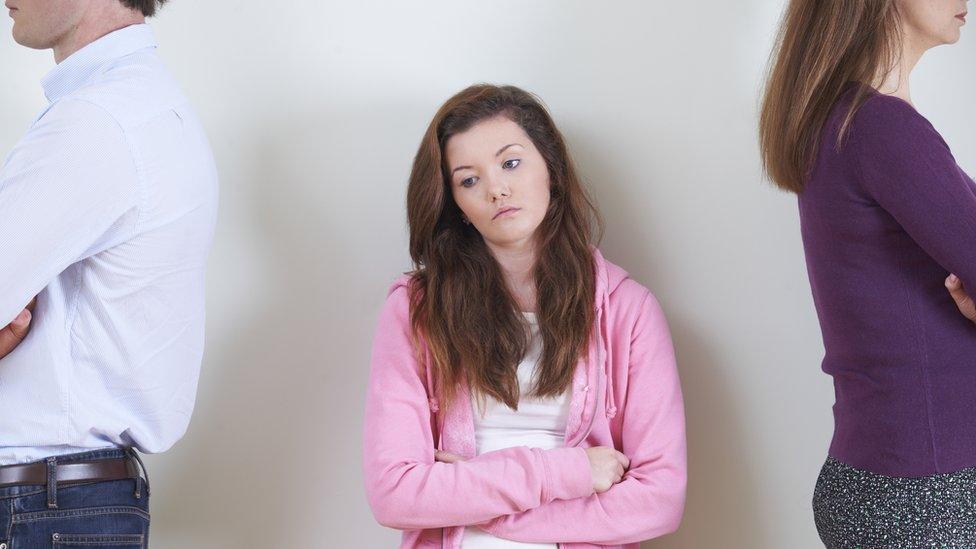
625, 394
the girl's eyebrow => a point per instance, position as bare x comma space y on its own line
500, 151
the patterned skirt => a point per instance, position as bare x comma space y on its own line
857, 509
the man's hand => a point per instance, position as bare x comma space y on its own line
15, 332
962, 299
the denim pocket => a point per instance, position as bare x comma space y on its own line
116, 527
93, 541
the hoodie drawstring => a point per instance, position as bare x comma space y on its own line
431, 399
604, 344
434, 404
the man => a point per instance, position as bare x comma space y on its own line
107, 211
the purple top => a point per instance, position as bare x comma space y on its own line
884, 221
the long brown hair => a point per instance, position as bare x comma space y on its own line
822, 47
461, 306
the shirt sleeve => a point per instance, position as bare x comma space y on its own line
65, 190
649, 501
908, 169
406, 488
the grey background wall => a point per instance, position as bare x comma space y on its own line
315, 109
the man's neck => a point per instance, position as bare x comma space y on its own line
95, 25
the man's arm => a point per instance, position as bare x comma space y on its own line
68, 190
908, 169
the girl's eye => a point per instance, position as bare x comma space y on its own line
469, 182
509, 164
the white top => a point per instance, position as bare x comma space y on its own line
538, 423
107, 211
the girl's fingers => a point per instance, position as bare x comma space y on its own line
446, 457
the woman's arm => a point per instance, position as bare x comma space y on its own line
649, 501
908, 169
405, 488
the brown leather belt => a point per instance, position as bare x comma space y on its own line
70, 473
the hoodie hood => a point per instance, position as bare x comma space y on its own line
594, 372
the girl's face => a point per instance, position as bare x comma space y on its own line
930, 23
500, 181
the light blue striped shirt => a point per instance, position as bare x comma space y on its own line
107, 212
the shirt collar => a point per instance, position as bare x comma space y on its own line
71, 73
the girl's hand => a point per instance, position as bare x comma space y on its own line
607, 466
962, 299
446, 457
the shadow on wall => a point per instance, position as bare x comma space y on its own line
660, 169
722, 509
274, 452
723, 490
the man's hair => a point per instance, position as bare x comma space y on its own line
147, 7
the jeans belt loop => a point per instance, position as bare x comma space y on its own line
142, 466
52, 483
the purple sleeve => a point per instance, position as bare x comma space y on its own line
906, 166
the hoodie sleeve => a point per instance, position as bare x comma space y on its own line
649, 501
406, 488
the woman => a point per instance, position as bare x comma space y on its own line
523, 391
886, 215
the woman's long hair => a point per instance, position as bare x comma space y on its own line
461, 306
822, 47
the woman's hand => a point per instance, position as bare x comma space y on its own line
962, 299
607, 466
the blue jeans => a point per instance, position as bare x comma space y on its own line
95, 515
